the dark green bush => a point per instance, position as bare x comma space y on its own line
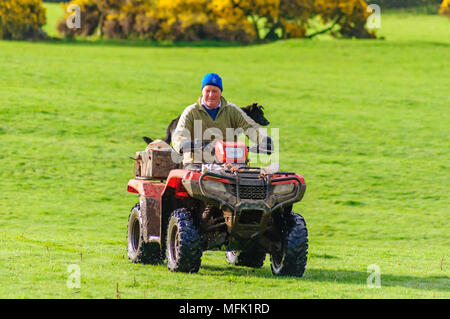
404, 3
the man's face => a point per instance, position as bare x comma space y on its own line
211, 96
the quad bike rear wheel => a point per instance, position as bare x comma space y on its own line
184, 244
138, 250
291, 259
245, 258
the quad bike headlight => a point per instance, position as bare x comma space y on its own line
283, 189
214, 186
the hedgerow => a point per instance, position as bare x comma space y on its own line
242, 21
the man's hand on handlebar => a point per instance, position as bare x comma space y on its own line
265, 147
191, 146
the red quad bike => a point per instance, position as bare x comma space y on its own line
227, 206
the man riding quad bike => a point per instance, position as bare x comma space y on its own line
217, 201
225, 205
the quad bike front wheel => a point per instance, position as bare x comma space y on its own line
291, 259
184, 245
138, 250
245, 258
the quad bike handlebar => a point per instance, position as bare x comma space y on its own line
187, 145
265, 147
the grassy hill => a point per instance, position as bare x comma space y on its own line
365, 122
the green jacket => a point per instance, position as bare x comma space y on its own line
195, 122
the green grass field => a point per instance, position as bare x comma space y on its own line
365, 122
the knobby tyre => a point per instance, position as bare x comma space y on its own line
184, 245
292, 258
138, 250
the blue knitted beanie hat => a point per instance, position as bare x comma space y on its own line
212, 79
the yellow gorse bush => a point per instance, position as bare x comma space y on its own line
231, 20
21, 19
90, 17
445, 8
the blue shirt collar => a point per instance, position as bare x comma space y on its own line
204, 105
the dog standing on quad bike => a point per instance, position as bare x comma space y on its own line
220, 205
